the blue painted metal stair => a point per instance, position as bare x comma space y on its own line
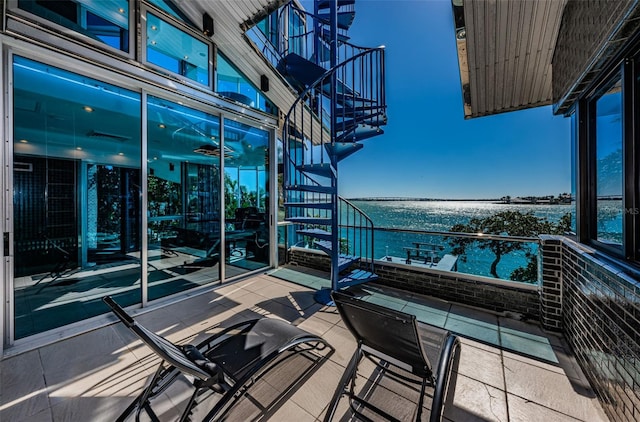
341, 103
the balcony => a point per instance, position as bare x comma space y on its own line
94, 376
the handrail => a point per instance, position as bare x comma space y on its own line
477, 236
315, 84
342, 105
359, 234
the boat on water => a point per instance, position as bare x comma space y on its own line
425, 255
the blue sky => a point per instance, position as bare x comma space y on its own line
428, 149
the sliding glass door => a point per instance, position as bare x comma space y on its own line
183, 191
76, 196
246, 182
89, 219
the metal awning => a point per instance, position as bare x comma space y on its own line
505, 49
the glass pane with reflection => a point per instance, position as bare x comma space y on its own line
183, 191
103, 21
609, 176
76, 190
176, 50
246, 197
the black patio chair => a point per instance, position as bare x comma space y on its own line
396, 342
224, 364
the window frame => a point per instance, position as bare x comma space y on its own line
14, 8
627, 71
145, 9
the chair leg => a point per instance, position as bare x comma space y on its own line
187, 410
140, 402
423, 390
347, 378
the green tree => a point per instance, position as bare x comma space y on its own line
507, 223
230, 196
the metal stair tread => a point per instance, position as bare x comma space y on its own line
342, 150
309, 204
345, 18
322, 221
317, 233
312, 188
357, 277
359, 135
321, 169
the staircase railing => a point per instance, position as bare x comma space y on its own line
356, 232
312, 115
308, 142
297, 29
311, 39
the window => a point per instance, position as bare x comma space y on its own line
170, 8
176, 51
105, 21
234, 85
269, 27
608, 175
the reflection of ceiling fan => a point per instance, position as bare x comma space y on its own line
212, 151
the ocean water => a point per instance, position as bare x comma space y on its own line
441, 216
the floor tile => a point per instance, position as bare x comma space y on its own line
23, 392
481, 365
521, 410
426, 314
475, 401
532, 383
468, 327
535, 348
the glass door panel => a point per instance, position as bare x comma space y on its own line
183, 191
76, 213
246, 170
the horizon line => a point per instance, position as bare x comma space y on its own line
410, 198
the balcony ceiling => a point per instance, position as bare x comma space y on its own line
505, 49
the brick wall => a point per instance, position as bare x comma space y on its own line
455, 287
550, 276
601, 322
461, 288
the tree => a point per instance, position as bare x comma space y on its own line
507, 223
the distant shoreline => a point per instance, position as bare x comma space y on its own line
421, 199
514, 201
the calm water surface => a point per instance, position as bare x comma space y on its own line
441, 216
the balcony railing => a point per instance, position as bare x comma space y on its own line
506, 258
433, 250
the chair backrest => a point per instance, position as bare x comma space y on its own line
160, 345
390, 334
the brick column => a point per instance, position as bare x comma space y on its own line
550, 278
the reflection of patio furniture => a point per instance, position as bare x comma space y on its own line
192, 242
225, 364
248, 218
233, 237
249, 223
61, 266
393, 339
426, 252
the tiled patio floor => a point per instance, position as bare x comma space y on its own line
94, 376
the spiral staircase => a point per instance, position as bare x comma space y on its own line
340, 104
